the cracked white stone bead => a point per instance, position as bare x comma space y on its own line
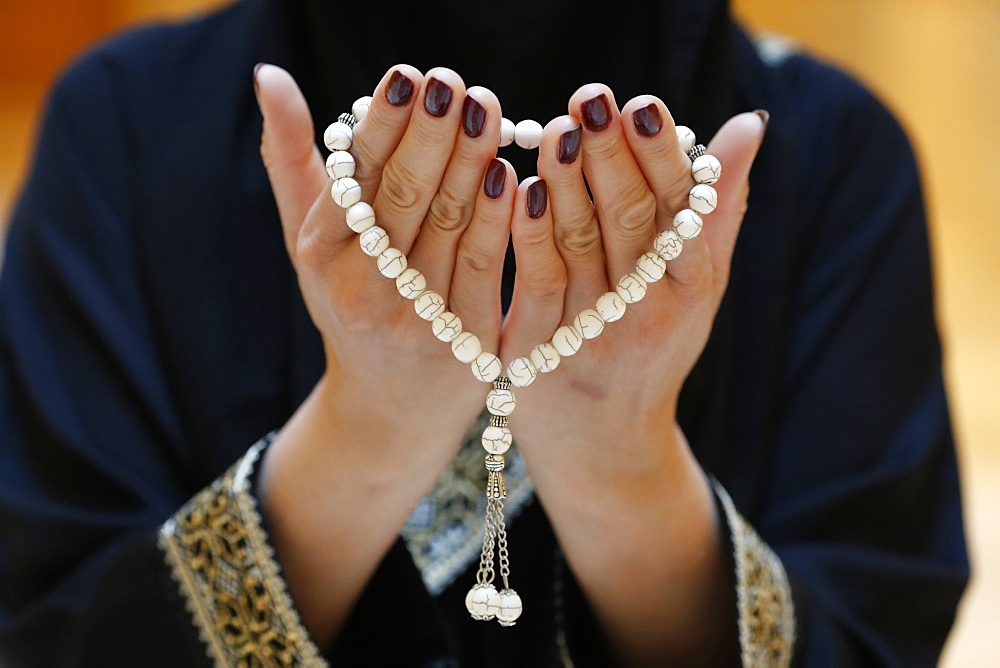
391, 262
510, 607
521, 372
611, 306
687, 224
706, 169
446, 326
631, 288
668, 245
544, 357
361, 106
374, 240
567, 340
500, 402
703, 198
528, 134
685, 137
345, 192
589, 323
338, 136
340, 164
428, 305
487, 367
497, 440
651, 266
483, 602
506, 132
466, 347
411, 283
360, 216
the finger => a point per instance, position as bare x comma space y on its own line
475, 284
576, 231
288, 149
625, 205
452, 206
536, 307
414, 171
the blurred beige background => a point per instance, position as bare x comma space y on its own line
934, 62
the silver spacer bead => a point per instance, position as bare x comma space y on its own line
502, 383
697, 151
351, 121
498, 421
494, 462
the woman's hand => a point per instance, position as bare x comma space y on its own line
630, 505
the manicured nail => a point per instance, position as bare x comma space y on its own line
400, 89
569, 146
496, 177
647, 120
473, 118
596, 113
256, 87
765, 118
538, 199
437, 98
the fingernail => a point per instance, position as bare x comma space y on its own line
400, 89
496, 177
569, 146
765, 118
437, 98
473, 117
538, 199
596, 113
647, 120
256, 87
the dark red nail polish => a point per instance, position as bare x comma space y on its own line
596, 113
437, 97
569, 146
647, 121
496, 177
400, 89
538, 199
765, 117
256, 88
473, 117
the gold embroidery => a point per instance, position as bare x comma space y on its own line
220, 557
764, 598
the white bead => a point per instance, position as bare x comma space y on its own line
521, 372
567, 340
528, 134
706, 169
510, 607
685, 137
545, 357
703, 198
361, 106
651, 267
374, 240
360, 216
668, 245
497, 440
611, 306
500, 402
345, 192
483, 602
411, 283
429, 305
466, 347
447, 326
340, 164
631, 288
391, 262
506, 132
687, 224
487, 367
589, 323
338, 136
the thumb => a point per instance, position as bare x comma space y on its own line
735, 145
293, 162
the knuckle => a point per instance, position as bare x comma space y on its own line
547, 285
580, 238
475, 261
448, 212
605, 147
634, 212
400, 187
